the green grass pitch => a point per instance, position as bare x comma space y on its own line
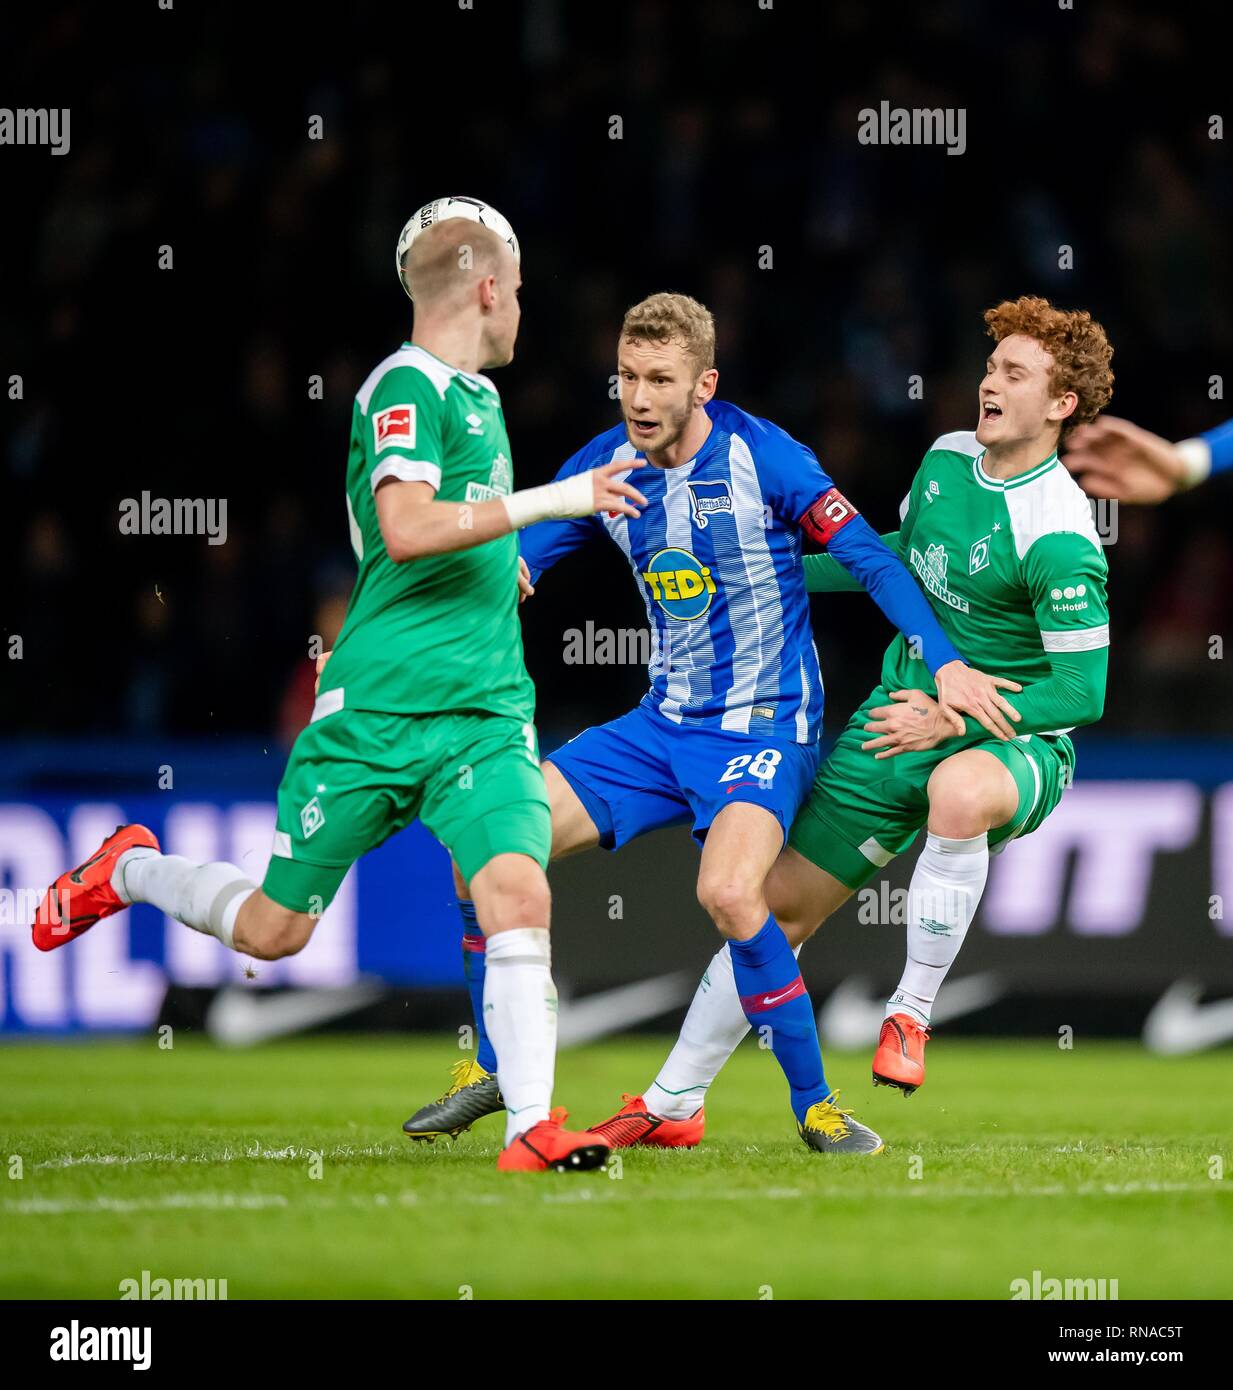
1101, 1162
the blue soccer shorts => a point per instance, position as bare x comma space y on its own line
641, 772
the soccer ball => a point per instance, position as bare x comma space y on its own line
442, 208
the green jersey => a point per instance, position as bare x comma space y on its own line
1014, 570
441, 632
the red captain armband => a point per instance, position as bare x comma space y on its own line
827, 517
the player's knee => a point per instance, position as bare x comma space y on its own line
734, 906
518, 908
267, 930
960, 802
290, 940
509, 896
272, 938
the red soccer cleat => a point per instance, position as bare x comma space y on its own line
633, 1124
84, 895
900, 1058
546, 1145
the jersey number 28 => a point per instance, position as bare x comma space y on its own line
760, 765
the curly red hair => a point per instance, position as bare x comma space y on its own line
1080, 349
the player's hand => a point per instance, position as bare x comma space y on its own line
914, 723
525, 587
613, 497
1113, 458
321, 660
965, 690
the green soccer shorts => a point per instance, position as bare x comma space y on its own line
355, 777
862, 812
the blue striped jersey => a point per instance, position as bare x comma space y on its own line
716, 555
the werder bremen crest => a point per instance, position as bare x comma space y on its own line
931, 567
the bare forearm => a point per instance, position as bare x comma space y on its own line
436, 528
413, 523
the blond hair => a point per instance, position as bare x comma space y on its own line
450, 256
674, 318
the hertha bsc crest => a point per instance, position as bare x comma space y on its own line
708, 499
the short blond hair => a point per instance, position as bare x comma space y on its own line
448, 257
674, 318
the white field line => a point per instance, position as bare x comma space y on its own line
175, 1201
302, 1152
609, 1193
297, 1152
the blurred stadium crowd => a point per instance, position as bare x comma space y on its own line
1085, 128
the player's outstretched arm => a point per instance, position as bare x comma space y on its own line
825, 575
1118, 459
414, 524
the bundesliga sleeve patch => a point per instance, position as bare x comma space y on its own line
828, 516
394, 425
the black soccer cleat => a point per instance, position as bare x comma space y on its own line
473, 1094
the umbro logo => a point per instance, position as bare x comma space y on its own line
474, 424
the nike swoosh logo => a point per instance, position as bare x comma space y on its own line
1178, 1023
611, 1011
769, 999
75, 876
239, 1017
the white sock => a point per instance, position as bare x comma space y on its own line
520, 1014
206, 897
947, 883
711, 1033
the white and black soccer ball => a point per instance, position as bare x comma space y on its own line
438, 211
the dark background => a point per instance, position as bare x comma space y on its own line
1087, 128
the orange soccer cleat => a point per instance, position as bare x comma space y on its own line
633, 1123
900, 1058
546, 1145
84, 895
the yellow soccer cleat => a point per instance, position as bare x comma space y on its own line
831, 1130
